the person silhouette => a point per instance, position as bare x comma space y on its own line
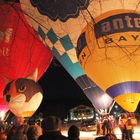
51, 126
73, 133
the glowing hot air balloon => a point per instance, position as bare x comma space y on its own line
110, 53
59, 30
21, 51
109, 31
23, 95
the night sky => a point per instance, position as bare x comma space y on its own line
61, 92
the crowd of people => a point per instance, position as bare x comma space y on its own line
126, 123
48, 129
107, 124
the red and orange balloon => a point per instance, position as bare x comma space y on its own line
21, 51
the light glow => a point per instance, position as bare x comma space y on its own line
2, 115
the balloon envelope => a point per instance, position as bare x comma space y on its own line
60, 30
23, 95
110, 54
109, 30
21, 51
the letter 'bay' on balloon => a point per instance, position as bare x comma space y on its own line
108, 31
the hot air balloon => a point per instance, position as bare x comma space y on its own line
59, 30
23, 95
21, 51
110, 52
109, 34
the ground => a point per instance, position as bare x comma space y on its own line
89, 135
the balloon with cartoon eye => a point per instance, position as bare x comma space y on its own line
21, 89
21, 50
23, 96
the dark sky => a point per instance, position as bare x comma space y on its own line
61, 92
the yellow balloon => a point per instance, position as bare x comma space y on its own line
111, 55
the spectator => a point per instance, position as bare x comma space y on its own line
122, 125
18, 130
130, 126
105, 125
73, 133
19, 134
112, 120
111, 137
33, 132
11, 132
98, 126
3, 135
108, 126
51, 129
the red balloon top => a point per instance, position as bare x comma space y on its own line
21, 51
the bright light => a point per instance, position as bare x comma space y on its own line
2, 115
90, 117
96, 114
116, 106
104, 98
115, 113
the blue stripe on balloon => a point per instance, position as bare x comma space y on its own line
124, 88
66, 42
65, 60
41, 33
52, 36
74, 69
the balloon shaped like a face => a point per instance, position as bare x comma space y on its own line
109, 52
23, 96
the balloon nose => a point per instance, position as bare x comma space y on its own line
8, 98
